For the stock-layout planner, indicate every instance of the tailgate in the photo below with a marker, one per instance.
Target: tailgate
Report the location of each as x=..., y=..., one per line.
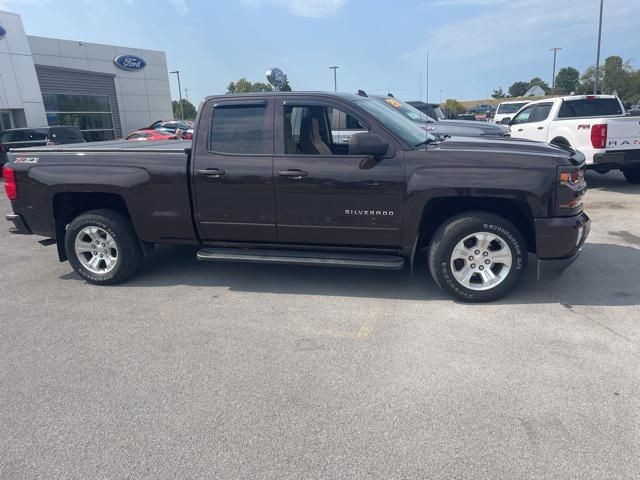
x=623, y=133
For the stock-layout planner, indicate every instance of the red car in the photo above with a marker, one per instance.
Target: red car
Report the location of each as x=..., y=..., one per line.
x=150, y=135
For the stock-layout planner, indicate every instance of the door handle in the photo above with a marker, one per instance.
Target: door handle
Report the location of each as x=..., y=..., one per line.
x=540, y=128
x=520, y=129
x=293, y=173
x=211, y=172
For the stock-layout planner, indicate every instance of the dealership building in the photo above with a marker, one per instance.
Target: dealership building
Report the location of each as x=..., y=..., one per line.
x=105, y=90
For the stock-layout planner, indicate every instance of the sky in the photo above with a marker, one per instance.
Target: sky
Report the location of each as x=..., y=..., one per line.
x=380, y=46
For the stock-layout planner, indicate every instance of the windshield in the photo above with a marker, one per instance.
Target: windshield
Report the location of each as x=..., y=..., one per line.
x=510, y=107
x=412, y=113
x=400, y=125
x=439, y=113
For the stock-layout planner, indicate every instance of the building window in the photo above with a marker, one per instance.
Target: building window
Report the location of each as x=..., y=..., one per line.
x=90, y=113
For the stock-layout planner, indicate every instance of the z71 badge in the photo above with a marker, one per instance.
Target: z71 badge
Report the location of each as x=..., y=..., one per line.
x=26, y=160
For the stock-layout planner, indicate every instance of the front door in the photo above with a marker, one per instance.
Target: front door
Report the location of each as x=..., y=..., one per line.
x=324, y=195
x=531, y=123
x=233, y=172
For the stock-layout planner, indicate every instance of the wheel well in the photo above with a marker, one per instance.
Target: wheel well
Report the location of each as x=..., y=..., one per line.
x=560, y=141
x=68, y=205
x=439, y=210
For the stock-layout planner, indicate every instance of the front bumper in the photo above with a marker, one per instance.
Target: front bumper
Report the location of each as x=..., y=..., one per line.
x=617, y=159
x=559, y=241
x=19, y=225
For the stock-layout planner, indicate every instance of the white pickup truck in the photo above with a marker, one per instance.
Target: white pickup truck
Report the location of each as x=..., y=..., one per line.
x=596, y=125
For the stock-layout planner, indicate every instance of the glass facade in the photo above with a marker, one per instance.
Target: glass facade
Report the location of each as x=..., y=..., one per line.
x=90, y=113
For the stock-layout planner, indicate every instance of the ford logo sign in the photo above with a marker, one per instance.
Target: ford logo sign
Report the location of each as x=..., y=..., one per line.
x=129, y=62
x=3, y=32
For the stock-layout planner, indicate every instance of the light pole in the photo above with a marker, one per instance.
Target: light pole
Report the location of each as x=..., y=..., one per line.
x=427, y=77
x=335, y=77
x=177, y=72
x=595, y=83
x=553, y=78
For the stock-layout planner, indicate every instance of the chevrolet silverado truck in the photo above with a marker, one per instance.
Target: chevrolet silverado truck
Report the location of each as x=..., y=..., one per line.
x=264, y=181
x=596, y=125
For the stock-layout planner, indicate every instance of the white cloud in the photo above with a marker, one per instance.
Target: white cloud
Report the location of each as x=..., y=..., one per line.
x=517, y=31
x=302, y=8
x=181, y=6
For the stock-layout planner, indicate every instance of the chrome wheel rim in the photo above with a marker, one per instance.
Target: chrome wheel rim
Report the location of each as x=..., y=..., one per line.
x=96, y=250
x=481, y=261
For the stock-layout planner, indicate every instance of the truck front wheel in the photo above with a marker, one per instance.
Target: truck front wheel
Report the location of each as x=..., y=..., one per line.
x=632, y=174
x=477, y=257
x=102, y=247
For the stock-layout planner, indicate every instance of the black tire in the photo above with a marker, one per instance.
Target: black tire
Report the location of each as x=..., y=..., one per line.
x=632, y=175
x=457, y=229
x=129, y=252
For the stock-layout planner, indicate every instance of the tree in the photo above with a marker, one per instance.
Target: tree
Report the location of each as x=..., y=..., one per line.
x=498, y=93
x=567, y=79
x=588, y=78
x=453, y=107
x=245, y=86
x=518, y=89
x=188, y=108
x=538, y=82
x=286, y=87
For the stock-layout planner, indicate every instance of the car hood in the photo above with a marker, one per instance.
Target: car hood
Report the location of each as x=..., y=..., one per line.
x=515, y=146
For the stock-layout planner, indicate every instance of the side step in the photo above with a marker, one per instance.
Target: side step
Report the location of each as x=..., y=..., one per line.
x=295, y=257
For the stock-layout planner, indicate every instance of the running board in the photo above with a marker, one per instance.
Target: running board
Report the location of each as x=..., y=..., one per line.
x=296, y=257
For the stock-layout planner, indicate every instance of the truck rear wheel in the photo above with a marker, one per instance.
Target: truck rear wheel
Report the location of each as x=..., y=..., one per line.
x=477, y=257
x=102, y=247
x=632, y=174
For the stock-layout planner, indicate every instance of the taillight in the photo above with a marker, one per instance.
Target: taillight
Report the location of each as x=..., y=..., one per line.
x=599, y=135
x=571, y=190
x=10, y=185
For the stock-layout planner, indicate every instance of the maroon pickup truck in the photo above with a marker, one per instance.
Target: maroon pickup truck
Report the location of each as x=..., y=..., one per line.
x=264, y=180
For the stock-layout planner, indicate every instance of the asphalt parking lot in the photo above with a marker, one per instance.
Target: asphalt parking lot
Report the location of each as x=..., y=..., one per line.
x=197, y=370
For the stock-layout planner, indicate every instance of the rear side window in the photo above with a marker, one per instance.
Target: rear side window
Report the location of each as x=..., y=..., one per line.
x=595, y=107
x=239, y=129
x=541, y=112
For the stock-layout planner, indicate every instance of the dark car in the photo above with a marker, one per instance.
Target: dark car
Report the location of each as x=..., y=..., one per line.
x=35, y=137
x=265, y=181
x=443, y=127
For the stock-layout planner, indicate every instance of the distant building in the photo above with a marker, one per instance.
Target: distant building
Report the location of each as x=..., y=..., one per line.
x=535, y=91
x=104, y=90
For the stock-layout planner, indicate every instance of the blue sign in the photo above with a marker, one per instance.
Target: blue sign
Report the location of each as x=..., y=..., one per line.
x=129, y=62
x=3, y=32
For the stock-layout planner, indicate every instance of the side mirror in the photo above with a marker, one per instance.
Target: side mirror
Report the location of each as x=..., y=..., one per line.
x=367, y=144
x=506, y=121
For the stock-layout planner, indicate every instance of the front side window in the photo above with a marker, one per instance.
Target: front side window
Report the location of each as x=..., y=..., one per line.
x=239, y=130
x=523, y=116
x=541, y=113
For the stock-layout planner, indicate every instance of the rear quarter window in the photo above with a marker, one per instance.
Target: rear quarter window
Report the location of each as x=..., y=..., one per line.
x=596, y=107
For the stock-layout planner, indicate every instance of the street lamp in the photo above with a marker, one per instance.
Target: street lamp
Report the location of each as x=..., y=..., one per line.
x=553, y=78
x=335, y=78
x=177, y=72
x=595, y=83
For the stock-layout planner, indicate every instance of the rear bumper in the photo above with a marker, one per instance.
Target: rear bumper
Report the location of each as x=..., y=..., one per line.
x=19, y=225
x=618, y=159
x=559, y=241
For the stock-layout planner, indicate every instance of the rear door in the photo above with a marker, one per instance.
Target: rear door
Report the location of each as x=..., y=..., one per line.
x=232, y=171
